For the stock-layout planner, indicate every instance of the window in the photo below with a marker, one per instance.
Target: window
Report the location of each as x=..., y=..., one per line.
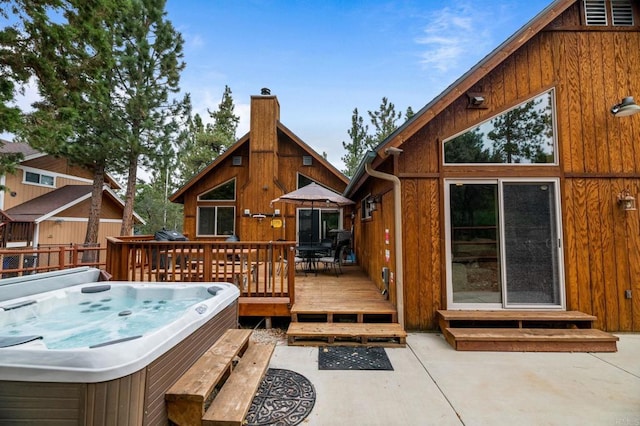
x=224, y=192
x=303, y=180
x=522, y=135
x=601, y=12
x=367, y=206
x=216, y=220
x=39, y=179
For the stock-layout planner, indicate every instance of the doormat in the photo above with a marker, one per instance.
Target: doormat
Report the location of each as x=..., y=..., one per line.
x=283, y=398
x=353, y=358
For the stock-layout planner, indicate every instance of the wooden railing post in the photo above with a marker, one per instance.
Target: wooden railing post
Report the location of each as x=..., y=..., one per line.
x=291, y=274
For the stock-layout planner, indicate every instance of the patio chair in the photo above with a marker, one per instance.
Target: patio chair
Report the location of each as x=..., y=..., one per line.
x=334, y=262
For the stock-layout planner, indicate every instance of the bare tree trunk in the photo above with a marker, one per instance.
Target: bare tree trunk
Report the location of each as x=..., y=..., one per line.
x=129, y=200
x=93, y=223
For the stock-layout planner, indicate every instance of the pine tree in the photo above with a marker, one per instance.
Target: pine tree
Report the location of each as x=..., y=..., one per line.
x=71, y=59
x=383, y=121
x=358, y=145
x=148, y=54
x=225, y=122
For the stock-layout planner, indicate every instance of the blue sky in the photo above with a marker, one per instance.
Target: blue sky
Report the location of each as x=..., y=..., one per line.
x=324, y=58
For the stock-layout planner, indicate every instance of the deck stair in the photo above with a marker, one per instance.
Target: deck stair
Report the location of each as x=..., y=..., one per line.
x=220, y=385
x=343, y=310
x=526, y=331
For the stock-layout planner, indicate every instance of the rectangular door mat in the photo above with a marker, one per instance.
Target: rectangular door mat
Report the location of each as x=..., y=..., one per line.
x=353, y=358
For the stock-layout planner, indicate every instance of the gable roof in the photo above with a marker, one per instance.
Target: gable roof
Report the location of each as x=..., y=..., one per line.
x=458, y=88
x=45, y=206
x=29, y=153
x=177, y=196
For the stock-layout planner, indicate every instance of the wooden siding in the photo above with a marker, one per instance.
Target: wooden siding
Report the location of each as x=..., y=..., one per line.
x=271, y=161
x=73, y=232
x=598, y=156
x=25, y=192
x=58, y=166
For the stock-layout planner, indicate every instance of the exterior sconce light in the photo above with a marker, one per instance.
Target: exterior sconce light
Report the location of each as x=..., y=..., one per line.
x=626, y=107
x=276, y=212
x=626, y=201
x=476, y=100
x=247, y=212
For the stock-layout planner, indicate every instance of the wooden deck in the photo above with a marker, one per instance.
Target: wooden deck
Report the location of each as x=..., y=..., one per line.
x=343, y=310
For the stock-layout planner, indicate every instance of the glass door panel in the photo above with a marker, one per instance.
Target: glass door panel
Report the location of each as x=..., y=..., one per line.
x=531, y=242
x=475, y=259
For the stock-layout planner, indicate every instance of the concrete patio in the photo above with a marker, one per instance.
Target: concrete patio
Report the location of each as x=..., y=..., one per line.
x=432, y=384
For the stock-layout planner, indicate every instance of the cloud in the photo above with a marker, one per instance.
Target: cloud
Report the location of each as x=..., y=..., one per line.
x=455, y=37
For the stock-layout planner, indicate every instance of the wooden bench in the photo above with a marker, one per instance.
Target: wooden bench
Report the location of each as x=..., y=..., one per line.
x=186, y=398
x=232, y=403
x=372, y=334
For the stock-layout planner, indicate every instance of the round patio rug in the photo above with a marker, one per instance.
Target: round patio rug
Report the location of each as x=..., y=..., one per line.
x=284, y=398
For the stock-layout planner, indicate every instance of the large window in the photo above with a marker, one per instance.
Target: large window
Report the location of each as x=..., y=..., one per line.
x=216, y=220
x=216, y=214
x=522, y=135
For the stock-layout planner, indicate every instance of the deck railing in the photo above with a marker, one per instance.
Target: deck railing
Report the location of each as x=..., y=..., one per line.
x=26, y=261
x=258, y=268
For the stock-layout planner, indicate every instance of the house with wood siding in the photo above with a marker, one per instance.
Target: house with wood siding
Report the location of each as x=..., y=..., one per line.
x=47, y=202
x=515, y=189
x=232, y=196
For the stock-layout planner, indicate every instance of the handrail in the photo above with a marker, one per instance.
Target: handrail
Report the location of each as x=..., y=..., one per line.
x=26, y=261
x=256, y=267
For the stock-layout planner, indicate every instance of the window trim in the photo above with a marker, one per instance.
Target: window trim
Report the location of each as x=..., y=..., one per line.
x=40, y=175
x=365, y=208
x=554, y=120
x=215, y=208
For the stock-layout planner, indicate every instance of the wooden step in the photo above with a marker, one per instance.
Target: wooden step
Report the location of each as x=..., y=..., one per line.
x=514, y=318
x=232, y=403
x=187, y=397
x=371, y=334
x=530, y=339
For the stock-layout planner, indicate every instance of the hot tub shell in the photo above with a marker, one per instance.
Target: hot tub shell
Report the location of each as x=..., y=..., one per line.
x=135, y=398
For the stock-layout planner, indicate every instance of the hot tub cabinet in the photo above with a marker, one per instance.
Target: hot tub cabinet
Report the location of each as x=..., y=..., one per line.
x=135, y=398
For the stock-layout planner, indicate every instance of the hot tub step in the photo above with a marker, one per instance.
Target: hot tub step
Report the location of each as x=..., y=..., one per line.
x=232, y=403
x=187, y=397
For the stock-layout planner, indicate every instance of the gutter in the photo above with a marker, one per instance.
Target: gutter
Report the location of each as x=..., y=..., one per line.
x=397, y=207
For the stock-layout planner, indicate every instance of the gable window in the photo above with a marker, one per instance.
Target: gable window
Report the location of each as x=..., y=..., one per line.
x=304, y=180
x=39, y=179
x=608, y=12
x=216, y=220
x=524, y=134
x=224, y=192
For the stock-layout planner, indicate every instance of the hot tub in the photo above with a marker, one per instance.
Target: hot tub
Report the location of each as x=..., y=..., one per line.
x=103, y=352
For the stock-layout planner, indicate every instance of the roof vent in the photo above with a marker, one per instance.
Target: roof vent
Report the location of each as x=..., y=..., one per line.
x=307, y=160
x=265, y=91
x=236, y=160
x=622, y=13
x=595, y=12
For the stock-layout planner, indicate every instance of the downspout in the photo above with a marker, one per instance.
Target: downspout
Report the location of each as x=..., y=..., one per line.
x=397, y=214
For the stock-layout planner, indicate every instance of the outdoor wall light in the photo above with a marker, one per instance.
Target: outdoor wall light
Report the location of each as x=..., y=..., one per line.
x=476, y=100
x=626, y=201
x=276, y=212
x=626, y=107
x=247, y=212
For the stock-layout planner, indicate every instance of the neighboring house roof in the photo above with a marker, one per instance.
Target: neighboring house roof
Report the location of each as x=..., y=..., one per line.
x=177, y=196
x=458, y=88
x=30, y=153
x=19, y=148
x=51, y=203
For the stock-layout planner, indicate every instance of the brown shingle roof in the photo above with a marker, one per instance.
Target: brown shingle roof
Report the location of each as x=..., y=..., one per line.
x=36, y=208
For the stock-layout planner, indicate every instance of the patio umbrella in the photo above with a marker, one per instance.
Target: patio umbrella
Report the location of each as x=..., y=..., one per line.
x=313, y=195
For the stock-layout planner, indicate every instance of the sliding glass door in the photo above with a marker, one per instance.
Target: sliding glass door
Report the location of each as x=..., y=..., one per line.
x=503, y=244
